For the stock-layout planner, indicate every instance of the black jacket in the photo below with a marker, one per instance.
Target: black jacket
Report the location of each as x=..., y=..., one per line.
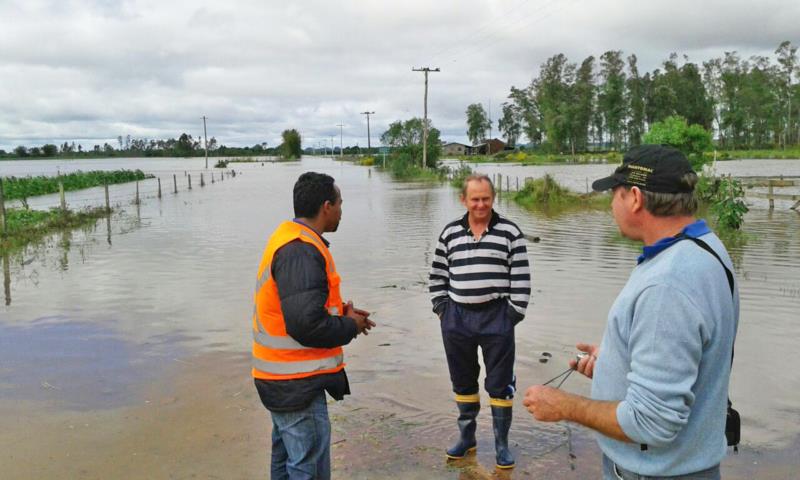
x=298, y=269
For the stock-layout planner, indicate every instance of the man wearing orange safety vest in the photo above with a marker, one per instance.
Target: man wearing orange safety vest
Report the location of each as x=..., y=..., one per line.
x=299, y=326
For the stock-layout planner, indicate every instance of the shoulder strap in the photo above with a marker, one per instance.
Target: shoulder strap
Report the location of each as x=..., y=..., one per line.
x=710, y=250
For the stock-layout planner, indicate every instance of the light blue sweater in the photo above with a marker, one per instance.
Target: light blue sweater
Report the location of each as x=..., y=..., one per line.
x=666, y=355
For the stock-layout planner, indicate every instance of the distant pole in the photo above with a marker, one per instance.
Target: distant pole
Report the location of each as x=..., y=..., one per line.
x=331, y=147
x=2, y=208
x=175, y=182
x=341, y=142
x=159, y=187
x=108, y=203
x=137, y=193
x=190, y=180
x=63, y=199
x=205, y=135
x=425, y=118
x=369, y=145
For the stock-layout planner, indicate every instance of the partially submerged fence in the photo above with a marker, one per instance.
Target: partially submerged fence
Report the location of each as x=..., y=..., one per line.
x=132, y=198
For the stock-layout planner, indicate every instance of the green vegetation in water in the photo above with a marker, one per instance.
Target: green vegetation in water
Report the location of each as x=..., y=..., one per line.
x=546, y=193
x=458, y=175
x=24, y=226
x=367, y=161
x=292, y=147
x=24, y=187
x=724, y=198
x=222, y=164
x=405, y=161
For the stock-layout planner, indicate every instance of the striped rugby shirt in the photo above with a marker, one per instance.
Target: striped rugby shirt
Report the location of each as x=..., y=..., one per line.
x=478, y=271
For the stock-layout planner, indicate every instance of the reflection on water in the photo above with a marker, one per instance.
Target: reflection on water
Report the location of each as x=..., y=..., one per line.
x=179, y=273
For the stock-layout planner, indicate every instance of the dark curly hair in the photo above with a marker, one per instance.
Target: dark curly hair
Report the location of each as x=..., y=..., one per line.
x=311, y=191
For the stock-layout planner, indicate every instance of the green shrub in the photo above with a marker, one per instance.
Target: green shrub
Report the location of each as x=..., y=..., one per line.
x=24, y=187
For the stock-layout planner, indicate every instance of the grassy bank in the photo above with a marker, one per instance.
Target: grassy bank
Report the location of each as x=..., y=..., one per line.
x=531, y=158
x=24, y=226
x=547, y=195
x=770, y=154
x=24, y=187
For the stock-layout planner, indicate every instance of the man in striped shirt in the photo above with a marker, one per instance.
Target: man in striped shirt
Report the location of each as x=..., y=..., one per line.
x=480, y=286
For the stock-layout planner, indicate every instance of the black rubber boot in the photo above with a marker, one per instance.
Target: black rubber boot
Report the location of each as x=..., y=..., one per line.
x=501, y=423
x=467, y=424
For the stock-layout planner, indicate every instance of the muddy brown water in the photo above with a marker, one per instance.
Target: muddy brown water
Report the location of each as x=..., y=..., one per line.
x=124, y=347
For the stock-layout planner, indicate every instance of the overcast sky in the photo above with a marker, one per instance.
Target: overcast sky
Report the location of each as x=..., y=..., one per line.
x=88, y=71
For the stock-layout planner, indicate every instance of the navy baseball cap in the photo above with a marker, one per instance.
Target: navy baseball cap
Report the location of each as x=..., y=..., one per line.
x=655, y=168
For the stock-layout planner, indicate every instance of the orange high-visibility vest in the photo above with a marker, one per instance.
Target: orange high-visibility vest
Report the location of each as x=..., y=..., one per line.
x=276, y=355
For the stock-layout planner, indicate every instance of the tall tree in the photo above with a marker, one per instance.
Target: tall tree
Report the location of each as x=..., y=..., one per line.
x=292, y=144
x=612, y=95
x=581, y=105
x=551, y=91
x=527, y=112
x=509, y=124
x=477, y=123
x=635, y=93
x=406, y=139
x=787, y=58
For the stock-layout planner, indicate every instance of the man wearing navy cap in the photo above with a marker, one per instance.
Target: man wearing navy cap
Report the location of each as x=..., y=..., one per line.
x=661, y=373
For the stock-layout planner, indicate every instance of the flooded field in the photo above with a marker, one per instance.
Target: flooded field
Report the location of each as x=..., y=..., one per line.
x=124, y=349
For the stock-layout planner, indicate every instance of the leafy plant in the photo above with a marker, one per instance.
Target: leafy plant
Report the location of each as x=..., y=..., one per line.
x=24, y=187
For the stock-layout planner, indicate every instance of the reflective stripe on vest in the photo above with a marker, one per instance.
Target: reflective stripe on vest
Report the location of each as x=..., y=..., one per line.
x=276, y=355
x=307, y=366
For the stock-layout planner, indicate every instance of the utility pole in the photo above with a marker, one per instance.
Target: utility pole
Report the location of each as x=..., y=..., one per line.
x=341, y=144
x=369, y=146
x=425, y=119
x=332, y=150
x=205, y=136
x=490, y=126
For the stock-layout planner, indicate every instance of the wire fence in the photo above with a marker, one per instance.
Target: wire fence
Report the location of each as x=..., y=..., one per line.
x=113, y=196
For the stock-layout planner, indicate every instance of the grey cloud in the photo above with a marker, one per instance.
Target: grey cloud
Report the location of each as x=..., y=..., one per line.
x=95, y=70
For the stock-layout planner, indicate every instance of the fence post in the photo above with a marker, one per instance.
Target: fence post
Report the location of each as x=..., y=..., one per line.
x=518, y=184
x=108, y=204
x=771, y=198
x=212, y=177
x=175, y=182
x=190, y=180
x=159, y=187
x=61, y=194
x=500, y=182
x=508, y=181
x=202, y=182
x=2, y=209
x=136, y=201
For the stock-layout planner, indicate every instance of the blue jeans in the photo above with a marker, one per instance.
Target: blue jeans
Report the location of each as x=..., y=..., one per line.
x=301, y=443
x=615, y=472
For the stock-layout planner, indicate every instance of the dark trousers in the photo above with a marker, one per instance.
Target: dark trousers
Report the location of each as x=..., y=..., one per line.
x=490, y=328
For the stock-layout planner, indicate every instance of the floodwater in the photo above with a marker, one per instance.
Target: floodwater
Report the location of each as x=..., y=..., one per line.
x=124, y=348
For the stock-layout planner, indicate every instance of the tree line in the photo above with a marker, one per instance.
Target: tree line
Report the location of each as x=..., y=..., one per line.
x=607, y=103
x=183, y=146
